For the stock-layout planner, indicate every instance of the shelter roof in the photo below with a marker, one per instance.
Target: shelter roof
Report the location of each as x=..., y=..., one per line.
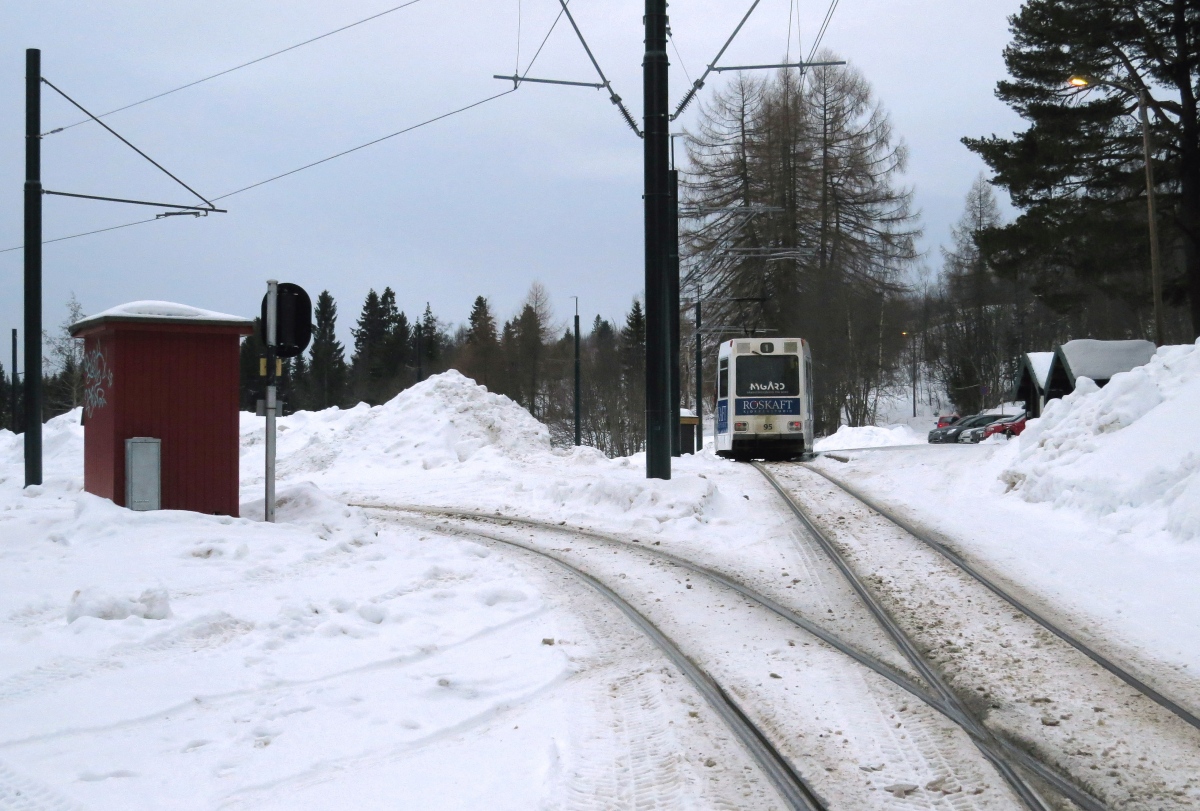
x=162, y=312
x=1100, y=360
x=1039, y=365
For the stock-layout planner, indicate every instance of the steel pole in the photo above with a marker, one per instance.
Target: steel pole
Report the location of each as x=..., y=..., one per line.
x=272, y=320
x=12, y=395
x=578, y=397
x=673, y=366
x=699, y=383
x=657, y=225
x=1155, y=266
x=33, y=267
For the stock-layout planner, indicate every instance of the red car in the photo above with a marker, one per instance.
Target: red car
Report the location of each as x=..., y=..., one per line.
x=1013, y=428
x=947, y=419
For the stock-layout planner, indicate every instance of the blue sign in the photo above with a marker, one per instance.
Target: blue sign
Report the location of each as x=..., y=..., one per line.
x=722, y=416
x=748, y=406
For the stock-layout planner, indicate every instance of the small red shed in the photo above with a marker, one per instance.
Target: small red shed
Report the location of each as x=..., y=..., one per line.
x=165, y=375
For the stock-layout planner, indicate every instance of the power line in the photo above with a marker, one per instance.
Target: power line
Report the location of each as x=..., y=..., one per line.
x=675, y=48
x=364, y=146
x=239, y=67
x=293, y=171
x=824, y=27
x=119, y=137
x=85, y=234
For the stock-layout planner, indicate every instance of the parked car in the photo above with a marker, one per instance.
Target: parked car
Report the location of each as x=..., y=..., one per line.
x=1012, y=427
x=945, y=420
x=950, y=433
x=982, y=432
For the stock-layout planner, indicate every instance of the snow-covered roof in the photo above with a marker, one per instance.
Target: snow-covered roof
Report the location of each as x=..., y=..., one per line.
x=160, y=312
x=686, y=412
x=1100, y=360
x=1039, y=362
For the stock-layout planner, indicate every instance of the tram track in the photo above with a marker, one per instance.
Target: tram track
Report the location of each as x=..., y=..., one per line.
x=788, y=782
x=949, y=554
x=1004, y=755
x=882, y=580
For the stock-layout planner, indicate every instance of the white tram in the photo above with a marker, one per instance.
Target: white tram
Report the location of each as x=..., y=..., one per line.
x=764, y=398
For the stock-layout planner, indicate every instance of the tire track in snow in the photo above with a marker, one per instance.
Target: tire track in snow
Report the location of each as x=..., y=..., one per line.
x=205, y=633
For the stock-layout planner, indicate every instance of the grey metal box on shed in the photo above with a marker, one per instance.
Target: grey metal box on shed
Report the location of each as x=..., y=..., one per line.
x=143, y=473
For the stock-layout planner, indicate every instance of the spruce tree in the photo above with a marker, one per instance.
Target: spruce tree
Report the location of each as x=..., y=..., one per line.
x=327, y=373
x=633, y=376
x=367, y=363
x=481, y=345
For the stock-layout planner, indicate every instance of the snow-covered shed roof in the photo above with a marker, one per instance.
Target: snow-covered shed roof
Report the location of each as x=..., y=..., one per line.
x=161, y=312
x=1100, y=360
x=1033, y=376
x=1039, y=365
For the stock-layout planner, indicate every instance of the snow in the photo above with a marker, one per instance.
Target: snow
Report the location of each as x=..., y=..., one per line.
x=1100, y=360
x=1040, y=363
x=1095, y=509
x=1128, y=454
x=158, y=311
x=172, y=660
x=868, y=436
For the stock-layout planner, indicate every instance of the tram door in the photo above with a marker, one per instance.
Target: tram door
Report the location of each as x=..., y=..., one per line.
x=722, y=421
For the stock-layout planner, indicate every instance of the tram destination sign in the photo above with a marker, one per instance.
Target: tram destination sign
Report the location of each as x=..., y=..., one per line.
x=749, y=406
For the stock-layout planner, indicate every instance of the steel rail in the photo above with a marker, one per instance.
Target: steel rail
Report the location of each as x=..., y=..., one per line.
x=951, y=711
x=952, y=556
x=790, y=784
x=865, y=659
x=1000, y=753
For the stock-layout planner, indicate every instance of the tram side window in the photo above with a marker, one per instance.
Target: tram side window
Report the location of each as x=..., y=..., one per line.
x=723, y=380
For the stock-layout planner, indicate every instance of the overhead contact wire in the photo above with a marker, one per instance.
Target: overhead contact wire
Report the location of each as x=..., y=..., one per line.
x=239, y=67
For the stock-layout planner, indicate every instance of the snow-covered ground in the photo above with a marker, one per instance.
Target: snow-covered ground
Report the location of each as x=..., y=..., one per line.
x=172, y=660
x=1095, y=509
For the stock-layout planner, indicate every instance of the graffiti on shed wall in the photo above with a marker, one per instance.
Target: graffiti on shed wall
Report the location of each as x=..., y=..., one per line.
x=98, y=378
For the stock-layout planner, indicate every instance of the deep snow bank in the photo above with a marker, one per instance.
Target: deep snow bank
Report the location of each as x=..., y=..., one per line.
x=1129, y=452
x=62, y=449
x=868, y=436
x=445, y=420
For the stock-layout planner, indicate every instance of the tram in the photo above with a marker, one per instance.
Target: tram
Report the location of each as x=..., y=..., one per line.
x=764, y=399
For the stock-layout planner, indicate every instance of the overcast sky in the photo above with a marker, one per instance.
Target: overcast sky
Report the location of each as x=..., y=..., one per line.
x=542, y=184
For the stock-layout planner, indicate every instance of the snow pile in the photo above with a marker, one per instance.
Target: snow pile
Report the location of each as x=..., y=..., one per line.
x=62, y=453
x=868, y=436
x=445, y=420
x=1128, y=453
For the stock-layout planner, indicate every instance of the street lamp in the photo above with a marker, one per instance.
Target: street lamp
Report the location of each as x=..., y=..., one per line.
x=1155, y=269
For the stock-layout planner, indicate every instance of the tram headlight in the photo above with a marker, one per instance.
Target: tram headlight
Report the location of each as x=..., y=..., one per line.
x=741, y=426
x=795, y=425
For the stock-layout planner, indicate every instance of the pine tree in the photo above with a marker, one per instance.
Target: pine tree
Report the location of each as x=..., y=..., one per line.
x=1077, y=172
x=327, y=373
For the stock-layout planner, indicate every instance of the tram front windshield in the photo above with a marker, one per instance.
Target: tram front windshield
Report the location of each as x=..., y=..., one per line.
x=768, y=375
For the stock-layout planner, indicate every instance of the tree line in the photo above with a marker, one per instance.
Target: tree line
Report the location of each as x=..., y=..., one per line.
x=528, y=357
